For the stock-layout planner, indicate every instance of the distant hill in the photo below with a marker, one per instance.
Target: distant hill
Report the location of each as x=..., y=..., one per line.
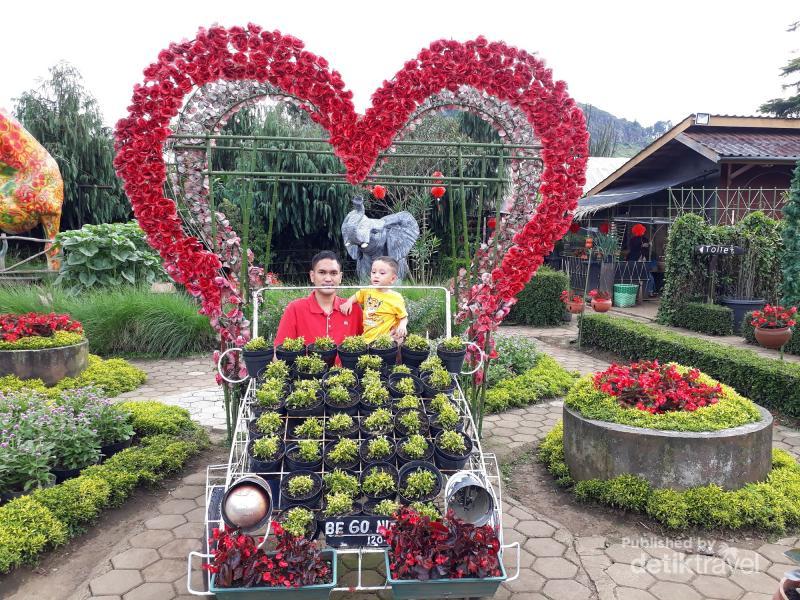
x=613, y=136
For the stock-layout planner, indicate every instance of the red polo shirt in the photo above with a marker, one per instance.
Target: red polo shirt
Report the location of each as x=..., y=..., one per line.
x=305, y=317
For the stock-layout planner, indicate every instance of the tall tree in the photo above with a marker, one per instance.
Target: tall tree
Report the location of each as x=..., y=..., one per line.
x=787, y=107
x=790, y=290
x=64, y=117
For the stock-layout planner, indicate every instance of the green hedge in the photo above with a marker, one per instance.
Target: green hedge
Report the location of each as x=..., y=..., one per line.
x=712, y=319
x=771, y=383
x=47, y=518
x=539, y=304
x=547, y=379
x=749, y=334
x=773, y=505
x=59, y=339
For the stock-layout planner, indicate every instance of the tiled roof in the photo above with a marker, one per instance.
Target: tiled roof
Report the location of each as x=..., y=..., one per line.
x=772, y=144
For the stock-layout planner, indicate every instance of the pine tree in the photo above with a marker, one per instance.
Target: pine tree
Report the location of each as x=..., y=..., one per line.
x=787, y=107
x=790, y=261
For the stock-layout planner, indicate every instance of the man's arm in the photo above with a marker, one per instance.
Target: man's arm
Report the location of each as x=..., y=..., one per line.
x=287, y=328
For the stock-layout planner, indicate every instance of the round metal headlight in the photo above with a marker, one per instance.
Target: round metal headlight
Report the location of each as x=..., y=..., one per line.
x=470, y=498
x=247, y=504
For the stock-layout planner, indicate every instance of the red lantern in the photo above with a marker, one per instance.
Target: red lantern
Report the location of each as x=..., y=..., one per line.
x=638, y=230
x=379, y=192
x=437, y=192
x=604, y=228
x=491, y=222
x=589, y=242
x=574, y=228
x=437, y=177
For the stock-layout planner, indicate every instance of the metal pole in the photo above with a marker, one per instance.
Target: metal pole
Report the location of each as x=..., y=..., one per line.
x=585, y=290
x=211, y=200
x=463, y=196
x=271, y=220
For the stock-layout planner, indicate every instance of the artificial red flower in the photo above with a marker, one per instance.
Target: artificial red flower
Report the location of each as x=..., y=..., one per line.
x=774, y=317
x=437, y=191
x=491, y=222
x=379, y=192
x=574, y=228
x=604, y=228
x=638, y=230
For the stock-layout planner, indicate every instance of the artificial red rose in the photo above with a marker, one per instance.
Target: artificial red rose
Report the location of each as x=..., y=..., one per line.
x=604, y=228
x=574, y=228
x=638, y=230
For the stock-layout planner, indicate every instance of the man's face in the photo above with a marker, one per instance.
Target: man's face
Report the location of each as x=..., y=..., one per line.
x=325, y=274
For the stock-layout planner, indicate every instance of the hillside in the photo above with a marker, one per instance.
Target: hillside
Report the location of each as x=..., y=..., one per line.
x=614, y=136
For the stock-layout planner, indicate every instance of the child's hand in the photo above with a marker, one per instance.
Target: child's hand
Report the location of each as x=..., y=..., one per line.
x=346, y=307
x=399, y=334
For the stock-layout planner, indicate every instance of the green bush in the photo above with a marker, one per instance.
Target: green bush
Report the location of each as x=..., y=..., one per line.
x=771, y=383
x=712, y=319
x=107, y=255
x=154, y=418
x=515, y=355
x=539, y=304
x=57, y=340
x=770, y=506
x=749, y=334
x=732, y=410
x=76, y=501
x=27, y=528
x=126, y=320
x=790, y=265
x=547, y=379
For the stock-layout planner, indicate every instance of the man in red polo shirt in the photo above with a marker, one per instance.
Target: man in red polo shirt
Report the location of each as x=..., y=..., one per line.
x=318, y=314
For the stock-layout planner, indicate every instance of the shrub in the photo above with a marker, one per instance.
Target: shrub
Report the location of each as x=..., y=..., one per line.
x=382, y=342
x=309, y=428
x=153, y=418
x=297, y=521
x=340, y=422
x=276, y=370
x=426, y=315
x=452, y=344
x=26, y=529
x=379, y=448
x=324, y=344
x=386, y=508
x=293, y=344
x=427, y=509
x=401, y=370
x=515, y=355
x=337, y=481
x=378, y=420
x=266, y=448
x=300, y=485
x=310, y=365
x=378, y=482
x=338, y=504
x=771, y=383
x=790, y=287
x=344, y=451
x=547, y=379
x=711, y=319
x=539, y=304
x=57, y=340
x=415, y=447
x=419, y=483
x=308, y=450
x=115, y=376
x=269, y=422
x=416, y=343
x=452, y=442
x=369, y=361
x=76, y=501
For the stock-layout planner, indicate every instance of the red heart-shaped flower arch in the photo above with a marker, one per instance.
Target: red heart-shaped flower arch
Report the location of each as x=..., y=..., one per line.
x=249, y=53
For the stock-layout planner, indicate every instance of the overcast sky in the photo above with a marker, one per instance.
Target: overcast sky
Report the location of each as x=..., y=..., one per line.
x=639, y=60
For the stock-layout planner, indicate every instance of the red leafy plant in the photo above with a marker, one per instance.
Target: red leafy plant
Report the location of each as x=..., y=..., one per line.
x=566, y=299
x=422, y=549
x=239, y=562
x=774, y=317
x=600, y=295
x=656, y=388
x=13, y=327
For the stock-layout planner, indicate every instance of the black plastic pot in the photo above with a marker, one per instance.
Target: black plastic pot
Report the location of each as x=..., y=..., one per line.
x=452, y=462
x=110, y=450
x=292, y=462
x=265, y=466
x=740, y=308
x=329, y=356
x=10, y=495
x=313, y=528
x=349, y=359
x=413, y=358
x=430, y=392
x=367, y=434
x=402, y=459
x=331, y=465
x=255, y=433
x=316, y=410
x=309, y=501
x=288, y=356
x=418, y=386
x=349, y=433
x=366, y=461
x=300, y=375
x=435, y=429
x=256, y=360
x=424, y=426
x=350, y=409
x=64, y=474
x=453, y=361
x=382, y=466
x=388, y=356
x=408, y=468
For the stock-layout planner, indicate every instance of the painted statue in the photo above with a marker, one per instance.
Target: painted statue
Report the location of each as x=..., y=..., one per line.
x=366, y=239
x=31, y=188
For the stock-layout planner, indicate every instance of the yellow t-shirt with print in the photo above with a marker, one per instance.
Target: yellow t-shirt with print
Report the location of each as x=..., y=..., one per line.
x=382, y=311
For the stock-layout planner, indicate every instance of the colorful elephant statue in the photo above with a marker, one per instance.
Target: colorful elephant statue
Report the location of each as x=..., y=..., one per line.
x=31, y=188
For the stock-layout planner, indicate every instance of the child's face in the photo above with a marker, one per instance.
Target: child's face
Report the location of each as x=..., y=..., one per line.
x=382, y=274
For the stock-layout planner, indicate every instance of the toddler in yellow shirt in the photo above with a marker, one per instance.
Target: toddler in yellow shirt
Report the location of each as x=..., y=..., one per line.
x=384, y=309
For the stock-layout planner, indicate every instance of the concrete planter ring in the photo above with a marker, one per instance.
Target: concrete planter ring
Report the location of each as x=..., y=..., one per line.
x=730, y=458
x=773, y=337
x=51, y=365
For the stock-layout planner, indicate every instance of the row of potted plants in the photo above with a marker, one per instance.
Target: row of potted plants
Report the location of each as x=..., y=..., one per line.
x=414, y=350
x=575, y=304
x=44, y=442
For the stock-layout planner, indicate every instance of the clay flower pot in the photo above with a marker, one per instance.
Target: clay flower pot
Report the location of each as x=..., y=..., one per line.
x=576, y=307
x=600, y=305
x=773, y=337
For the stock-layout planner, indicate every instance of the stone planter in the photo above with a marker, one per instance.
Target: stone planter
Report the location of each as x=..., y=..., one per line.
x=773, y=338
x=740, y=308
x=51, y=365
x=600, y=305
x=730, y=458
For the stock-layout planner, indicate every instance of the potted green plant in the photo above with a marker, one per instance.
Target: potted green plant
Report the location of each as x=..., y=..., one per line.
x=277, y=369
x=369, y=362
x=114, y=427
x=410, y=421
x=341, y=454
x=266, y=454
x=773, y=326
x=309, y=367
x=379, y=481
x=404, y=385
x=439, y=403
x=419, y=482
x=447, y=419
x=429, y=364
x=427, y=509
x=300, y=522
x=325, y=348
x=414, y=350
x=303, y=455
x=374, y=396
x=301, y=488
x=342, y=425
x=385, y=347
x=271, y=396
x=340, y=377
x=310, y=428
x=350, y=349
x=601, y=300
x=25, y=467
x=268, y=423
x=289, y=349
x=452, y=351
x=438, y=381
x=377, y=449
x=305, y=400
x=384, y=508
x=451, y=450
x=380, y=422
x=75, y=445
x=338, y=505
x=339, y=398
x=256, y=354
x=338, y=481
x=400, y=370
x=413, y=448
x=408, y=402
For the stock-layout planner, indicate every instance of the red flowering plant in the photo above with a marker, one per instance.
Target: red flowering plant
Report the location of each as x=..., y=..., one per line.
x=568, y=298
x=238, y=561
x=13, y=327
x=600, y=295
x=774, y=317
x=656, y=388
x=422, y=549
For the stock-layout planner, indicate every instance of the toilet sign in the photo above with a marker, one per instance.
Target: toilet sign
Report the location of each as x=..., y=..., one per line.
x=720, y=250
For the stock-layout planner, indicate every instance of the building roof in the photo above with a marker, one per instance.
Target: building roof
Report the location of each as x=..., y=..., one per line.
x=765, y=144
